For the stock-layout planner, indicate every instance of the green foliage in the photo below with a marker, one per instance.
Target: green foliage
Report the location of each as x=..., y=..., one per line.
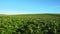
x=29, y=24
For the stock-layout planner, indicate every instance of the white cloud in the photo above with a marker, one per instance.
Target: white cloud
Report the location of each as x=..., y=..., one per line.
x=12, y=12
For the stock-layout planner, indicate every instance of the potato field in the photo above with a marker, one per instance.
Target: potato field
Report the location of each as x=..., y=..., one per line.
x=30, y=24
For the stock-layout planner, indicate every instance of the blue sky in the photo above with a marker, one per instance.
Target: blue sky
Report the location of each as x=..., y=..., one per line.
x=29, y=6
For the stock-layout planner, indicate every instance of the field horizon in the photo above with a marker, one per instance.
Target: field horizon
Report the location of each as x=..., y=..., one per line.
x=29, y=13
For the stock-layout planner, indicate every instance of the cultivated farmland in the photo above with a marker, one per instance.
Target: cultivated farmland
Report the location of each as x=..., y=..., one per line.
x=30, y=24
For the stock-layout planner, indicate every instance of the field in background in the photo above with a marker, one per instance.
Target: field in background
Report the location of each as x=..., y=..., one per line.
x=30, y=24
